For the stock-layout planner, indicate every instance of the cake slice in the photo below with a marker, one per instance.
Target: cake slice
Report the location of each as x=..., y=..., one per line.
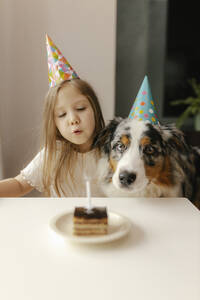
x=92, y=221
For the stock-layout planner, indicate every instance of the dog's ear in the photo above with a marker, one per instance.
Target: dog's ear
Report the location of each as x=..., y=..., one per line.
x=197, y=161
x=174, y=139
x=177, y=140
x=104, y=137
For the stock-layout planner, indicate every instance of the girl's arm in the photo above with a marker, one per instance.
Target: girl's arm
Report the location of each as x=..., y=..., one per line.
x=14, y=187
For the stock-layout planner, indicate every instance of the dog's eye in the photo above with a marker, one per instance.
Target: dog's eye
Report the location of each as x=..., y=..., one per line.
x=120, y=147
x=149, y=149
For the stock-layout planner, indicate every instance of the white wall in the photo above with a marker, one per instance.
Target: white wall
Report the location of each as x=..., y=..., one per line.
x=84, y=30
x=1, y=162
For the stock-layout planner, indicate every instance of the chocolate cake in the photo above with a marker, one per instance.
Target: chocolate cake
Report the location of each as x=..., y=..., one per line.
x=92, y=221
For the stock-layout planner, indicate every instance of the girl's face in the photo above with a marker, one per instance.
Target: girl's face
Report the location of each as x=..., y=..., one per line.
x=74, y=118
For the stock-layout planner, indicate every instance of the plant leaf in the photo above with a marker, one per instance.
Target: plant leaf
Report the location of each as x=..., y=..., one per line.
x=195, y=86
x=183, y=117
x=178, y=102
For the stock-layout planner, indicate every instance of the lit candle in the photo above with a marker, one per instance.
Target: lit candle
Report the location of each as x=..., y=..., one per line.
x=88, y=191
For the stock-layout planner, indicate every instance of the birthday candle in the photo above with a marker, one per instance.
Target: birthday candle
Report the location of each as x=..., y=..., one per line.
x=88, y=193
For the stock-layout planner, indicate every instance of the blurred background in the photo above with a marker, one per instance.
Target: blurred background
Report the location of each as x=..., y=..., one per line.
x=111, y=44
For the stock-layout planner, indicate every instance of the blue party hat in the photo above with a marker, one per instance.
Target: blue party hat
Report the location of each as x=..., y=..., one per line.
x=143, y=108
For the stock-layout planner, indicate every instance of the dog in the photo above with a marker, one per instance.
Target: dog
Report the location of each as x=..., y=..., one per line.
x=139, y=159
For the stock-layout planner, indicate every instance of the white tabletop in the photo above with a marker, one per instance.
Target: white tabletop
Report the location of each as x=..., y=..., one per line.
x=158, y=260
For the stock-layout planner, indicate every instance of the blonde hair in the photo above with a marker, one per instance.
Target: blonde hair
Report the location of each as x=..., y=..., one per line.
x=57, y=162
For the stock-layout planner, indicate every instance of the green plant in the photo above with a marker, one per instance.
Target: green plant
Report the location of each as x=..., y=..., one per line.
x=193, y=103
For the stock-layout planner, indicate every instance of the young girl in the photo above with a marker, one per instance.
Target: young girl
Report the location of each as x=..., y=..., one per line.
x=72, y=118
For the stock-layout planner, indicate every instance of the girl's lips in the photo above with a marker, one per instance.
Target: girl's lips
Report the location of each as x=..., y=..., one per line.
x=77, y=132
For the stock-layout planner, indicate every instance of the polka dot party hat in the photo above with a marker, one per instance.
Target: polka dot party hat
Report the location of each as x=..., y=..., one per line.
x=58, y=67
x=143, y=108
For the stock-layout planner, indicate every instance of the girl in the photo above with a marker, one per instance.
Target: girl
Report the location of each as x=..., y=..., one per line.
x=72, y=119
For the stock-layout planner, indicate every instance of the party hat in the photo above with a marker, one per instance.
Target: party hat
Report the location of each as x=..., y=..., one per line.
x=58, y=67
x=143, y=108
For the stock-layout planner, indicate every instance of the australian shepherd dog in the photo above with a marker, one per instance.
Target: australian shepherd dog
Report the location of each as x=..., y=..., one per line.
x=144, y=160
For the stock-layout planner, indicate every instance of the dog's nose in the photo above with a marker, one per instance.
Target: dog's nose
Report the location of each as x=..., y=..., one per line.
x=127, y=178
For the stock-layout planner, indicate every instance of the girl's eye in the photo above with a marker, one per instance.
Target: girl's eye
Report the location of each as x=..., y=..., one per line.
x=121, y=147
x=62, y=115
x=81, y=108
x=149, y=149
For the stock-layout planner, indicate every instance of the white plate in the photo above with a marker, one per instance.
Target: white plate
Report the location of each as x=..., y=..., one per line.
x=118, y=226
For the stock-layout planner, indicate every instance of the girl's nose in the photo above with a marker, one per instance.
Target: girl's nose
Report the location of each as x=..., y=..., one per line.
x=73, y=119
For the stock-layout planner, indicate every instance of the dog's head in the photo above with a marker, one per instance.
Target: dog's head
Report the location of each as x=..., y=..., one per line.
x=138, y=153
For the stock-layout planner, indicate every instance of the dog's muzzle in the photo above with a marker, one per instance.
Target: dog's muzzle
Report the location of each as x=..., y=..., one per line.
x=127, y=178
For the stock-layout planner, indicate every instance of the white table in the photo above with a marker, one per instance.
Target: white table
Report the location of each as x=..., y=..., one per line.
x=158, y=260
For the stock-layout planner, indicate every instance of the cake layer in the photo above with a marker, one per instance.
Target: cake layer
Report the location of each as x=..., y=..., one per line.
x=93, y=213
x=88, y=226
x=89, y=233
x=90, y=221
